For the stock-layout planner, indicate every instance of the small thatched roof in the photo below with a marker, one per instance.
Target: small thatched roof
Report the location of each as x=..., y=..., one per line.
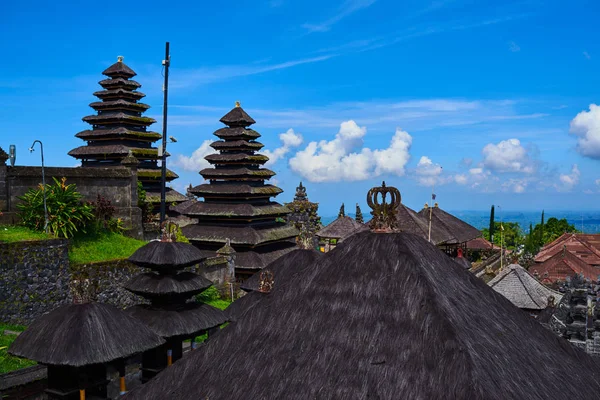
x=178, y=320
x=410, y=221
x=384, y=316
x=152, y=284
x=342, y=228
x=522, y=289
x=460, y=230
x=83, y=334
x=284, y=267
x=163, y=255
x=119, y=69
x=237, y=117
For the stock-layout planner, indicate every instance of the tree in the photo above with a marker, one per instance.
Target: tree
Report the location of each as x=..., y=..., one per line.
x=509, y=234
x=342, y=212
x=492, y=226
x=359, y=217
x=541, y=232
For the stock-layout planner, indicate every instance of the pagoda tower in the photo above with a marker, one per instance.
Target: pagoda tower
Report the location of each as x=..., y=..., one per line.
x=237, y=202
x=120, y=127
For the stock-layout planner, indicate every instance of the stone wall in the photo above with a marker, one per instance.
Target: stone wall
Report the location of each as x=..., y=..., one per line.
x=34, y=278
x=119, y=185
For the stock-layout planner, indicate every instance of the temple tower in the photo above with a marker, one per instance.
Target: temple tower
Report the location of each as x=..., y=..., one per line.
x=237, y=202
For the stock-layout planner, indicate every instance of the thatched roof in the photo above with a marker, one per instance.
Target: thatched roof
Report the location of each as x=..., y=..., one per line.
x=237, y=117
x=284, y=267
x=341, y=228
x=236, y=133
x=410, y=221
x=460, y=230
x=119, y=69
x=239, y=235
x=384, y=316
x=119, y=94
x=228, y=210
x=119, y=83
x=240, y=144
x=166, y=255
x=522, y=289
x=237, y=173
x=241, y=190
x=151, y=284
x=83, y=334
x=178, y=320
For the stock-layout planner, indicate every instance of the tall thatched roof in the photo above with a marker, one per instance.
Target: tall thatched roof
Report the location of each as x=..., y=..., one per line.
x=84, y=334
x=283, y=268
x=460, y=230
x=522, y=289
x=384, y=316
x=160, y=255
x=410, y=221
x=341, y=228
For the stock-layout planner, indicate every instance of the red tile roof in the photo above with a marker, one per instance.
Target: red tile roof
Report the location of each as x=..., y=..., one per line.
x=561, y=265
x=584, y=246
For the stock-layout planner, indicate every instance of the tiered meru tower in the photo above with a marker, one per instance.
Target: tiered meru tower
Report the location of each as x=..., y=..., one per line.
x=237, y=203
x=120, y=127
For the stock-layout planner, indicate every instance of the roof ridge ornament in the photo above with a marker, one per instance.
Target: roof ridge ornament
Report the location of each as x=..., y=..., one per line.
x=120, y=59
x=267, y=280
x=384, y=213
x=238, y=104
x=169, y=231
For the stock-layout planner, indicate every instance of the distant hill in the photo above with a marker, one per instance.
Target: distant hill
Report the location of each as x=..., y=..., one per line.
x=481, y=219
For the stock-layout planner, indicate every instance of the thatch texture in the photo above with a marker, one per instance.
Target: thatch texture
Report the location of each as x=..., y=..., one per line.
x=239, y=235
x=342, y=228
x=383, y=316
x=119, y=83
x=243, y=145
x=84, y=334
x=178, y=320
x=237, y=117
x=410, y=221
x=283, y=268
x=224, y=210
x=119, y=94
x=241, y=306
x=237, y=133
x=159, y=255
x=522, y=289
x=151, y=284
x=119, y=69
x=241, y=173
x=460, y=230
x=239, y=189
x=236, y=158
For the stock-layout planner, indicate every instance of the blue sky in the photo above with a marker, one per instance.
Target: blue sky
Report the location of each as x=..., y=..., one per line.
x=496, y=93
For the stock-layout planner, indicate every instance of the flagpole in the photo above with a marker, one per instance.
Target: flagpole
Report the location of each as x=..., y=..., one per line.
x=431, y=209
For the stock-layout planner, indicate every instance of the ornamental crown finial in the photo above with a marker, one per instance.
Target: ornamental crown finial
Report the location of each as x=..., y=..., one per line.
x=384, y=212
x=120, y=58
x=237, y=104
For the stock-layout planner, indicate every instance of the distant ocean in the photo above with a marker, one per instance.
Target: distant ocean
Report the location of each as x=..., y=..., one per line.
x=588, y=222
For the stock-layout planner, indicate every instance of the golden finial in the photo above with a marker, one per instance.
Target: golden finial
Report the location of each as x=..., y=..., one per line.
x=120, y=58
x=237, y=104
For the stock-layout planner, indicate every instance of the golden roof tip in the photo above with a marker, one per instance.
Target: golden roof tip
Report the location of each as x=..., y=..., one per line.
x=120, y=58
x=237, y=104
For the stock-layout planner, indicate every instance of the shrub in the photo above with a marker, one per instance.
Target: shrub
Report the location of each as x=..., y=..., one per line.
x=67, y=214
x=144, y=204
x=104, y=213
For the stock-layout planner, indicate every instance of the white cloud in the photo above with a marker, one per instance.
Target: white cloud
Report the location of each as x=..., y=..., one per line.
x=512, y=46
x=587, y=55
x=345, y=159
x=569, y=181
x=516, y=185
x=507, y=156
x=586, y=126
x=196, y=161
x=427, y=172
x=461, y=179
x=289, y=140
x=598, y=182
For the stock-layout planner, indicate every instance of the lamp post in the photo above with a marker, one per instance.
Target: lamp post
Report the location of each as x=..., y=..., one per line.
x=163, y=181
x=43, y=183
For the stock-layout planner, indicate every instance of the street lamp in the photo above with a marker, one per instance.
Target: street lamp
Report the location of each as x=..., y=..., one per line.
x=43, y=183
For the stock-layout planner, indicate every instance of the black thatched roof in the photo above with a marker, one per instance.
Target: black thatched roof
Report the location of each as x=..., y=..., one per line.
x=179, y=320
x=119, y=83
x=118, y=133
x=151, y=284
x=119, y=69
x=383, y=316
x=462, y=231
x=236, y=133
x=284, y=267
x=241, y=306
x=237, y=117
x=227, y=189
x=237, y=173
x=119, y=94
x=239, y=235
x=159, y=255
x=224, y=210
x=240, y=145
x=410, y=221
x=83, y=334
x=341, y=228
x=236, y=158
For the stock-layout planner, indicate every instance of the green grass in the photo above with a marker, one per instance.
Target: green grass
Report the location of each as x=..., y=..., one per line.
x=7, y=362
x=102, y=246
x=11, y=233
x=219, y=303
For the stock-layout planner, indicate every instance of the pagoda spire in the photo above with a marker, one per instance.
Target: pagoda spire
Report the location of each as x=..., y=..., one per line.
x=237, y=201
x=119, y=128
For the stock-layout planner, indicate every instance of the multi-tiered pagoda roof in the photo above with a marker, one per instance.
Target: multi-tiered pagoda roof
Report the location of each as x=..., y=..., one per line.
x=237, y=202
x=119, y=127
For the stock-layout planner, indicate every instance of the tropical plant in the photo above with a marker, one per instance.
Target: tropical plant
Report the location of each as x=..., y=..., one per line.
x=104, y=213
x=508, y=234
x=492, y=226
x=67, y=214
x=144, y=204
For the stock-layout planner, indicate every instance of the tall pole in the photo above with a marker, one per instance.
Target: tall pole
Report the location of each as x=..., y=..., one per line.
x=163, y=184
x=43, y=183
x=501, y=240
x=431, y=211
